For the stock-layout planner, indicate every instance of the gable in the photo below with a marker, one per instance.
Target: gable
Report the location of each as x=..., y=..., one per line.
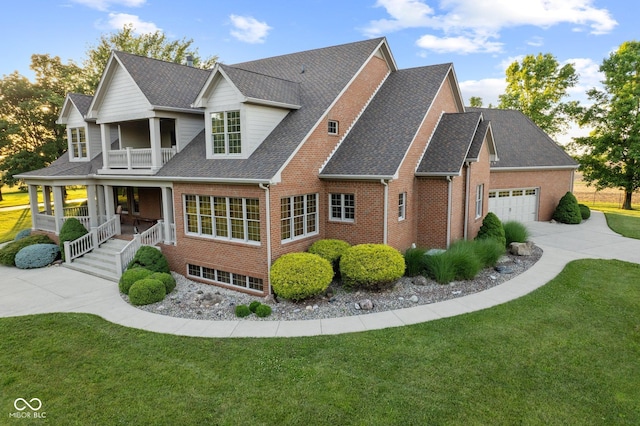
x=119, y=98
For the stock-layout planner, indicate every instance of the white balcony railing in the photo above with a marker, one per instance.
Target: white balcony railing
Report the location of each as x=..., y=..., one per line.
x=136, y=158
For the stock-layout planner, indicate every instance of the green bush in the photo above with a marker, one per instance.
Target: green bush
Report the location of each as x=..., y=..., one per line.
x=585, y=211
x=22, y=234
x=414, y=261
x=71, y=230
x=166, y=278
x=492, y=228
x=489, y=251
x=439, y=268
x=263, y=311
x=149, y=258
x=371, y=266
x=331, y=250
x=298, y=276
x=242, y=311
x=36, y=256
x=515, y=232
x=146, y=291
x=130, y=277
x=465, y=261
x=568, y=210
x=9, y=251
x=253, y=306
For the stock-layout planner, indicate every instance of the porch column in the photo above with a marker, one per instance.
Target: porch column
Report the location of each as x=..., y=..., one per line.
x=33, y=204
x=167, y=214
x=156, y=143
x=105, y=135
x=109, y=204
x=46, y=197
x=100, y=201
x=91, y=206
x=58, y=206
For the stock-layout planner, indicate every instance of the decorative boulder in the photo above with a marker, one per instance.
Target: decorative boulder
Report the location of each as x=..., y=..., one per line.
x=36, y=256
x=521, y=249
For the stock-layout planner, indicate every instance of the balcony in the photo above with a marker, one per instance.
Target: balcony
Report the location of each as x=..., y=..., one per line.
x=137, y=158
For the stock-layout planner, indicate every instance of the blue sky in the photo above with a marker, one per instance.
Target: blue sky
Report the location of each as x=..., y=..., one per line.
x=481, y=38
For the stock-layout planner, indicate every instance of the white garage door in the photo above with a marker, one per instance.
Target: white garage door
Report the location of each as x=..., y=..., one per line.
x=514, y=204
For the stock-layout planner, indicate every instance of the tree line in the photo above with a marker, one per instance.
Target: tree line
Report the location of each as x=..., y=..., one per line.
x=536, y=85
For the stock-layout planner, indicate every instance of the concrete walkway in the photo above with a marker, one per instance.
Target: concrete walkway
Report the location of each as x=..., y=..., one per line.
x=57, y=289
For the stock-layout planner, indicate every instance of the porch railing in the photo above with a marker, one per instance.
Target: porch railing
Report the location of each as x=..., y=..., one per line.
x=150, y=237
x=136, y=158
x=91, y=240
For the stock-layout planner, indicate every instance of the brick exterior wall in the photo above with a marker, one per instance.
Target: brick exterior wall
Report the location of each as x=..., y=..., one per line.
x=479, y=175
x=431, y=207
x=552, y=184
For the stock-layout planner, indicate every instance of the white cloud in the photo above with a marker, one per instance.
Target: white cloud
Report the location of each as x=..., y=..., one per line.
x=488, y=89
x=459, y=44
x=249, y=29
x=116, y=21
x=482, y=21
x=104, y=5
x=536, y=41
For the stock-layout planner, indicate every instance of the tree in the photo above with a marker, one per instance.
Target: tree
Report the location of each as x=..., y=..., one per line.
x=611, y=157
x=536, y=86
x=475, y=102
x=153, y=45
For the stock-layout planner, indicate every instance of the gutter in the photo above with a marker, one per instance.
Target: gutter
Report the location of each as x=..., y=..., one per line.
x=356, y=177
x=532, y=168
x=268, y=207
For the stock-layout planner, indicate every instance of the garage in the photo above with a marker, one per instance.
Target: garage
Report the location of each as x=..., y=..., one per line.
x=514, y=204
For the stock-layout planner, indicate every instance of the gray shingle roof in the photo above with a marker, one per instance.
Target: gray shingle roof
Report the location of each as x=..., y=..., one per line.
x=326, y=72
x=450, y=144
x=263, y=87
x=522, y=144
x=62, y=167
x=82, y=102
x=476, y=145
x=164, y=84
x=379, y=140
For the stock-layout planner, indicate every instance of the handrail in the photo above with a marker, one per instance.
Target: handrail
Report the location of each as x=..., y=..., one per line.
x=92, y=239
x=153, y=235
x=150, y=237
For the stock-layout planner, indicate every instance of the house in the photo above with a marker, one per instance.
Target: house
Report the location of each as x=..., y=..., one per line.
x=233, y=167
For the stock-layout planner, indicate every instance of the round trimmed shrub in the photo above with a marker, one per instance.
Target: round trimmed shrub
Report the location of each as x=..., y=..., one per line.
x=242, y=311
x=585, y=211
x=298, y=276
x=8, y=252
x=492, y=228
x=263, y=311
x=36, y=256
x=149, y=258
x=130, y=277
x=253, y=306
x=568, y=211
x=331, y=250
x=166, y=278
x=71, y=230
x=146, y=291
x=371, y=266
x=22, y=234
x=515, y=232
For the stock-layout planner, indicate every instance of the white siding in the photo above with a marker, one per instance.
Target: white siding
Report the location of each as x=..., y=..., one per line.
x=187, y=128
x=123, y=99
x=75, y=119
x=224, y=97
x=259, y=121
x=94, y=141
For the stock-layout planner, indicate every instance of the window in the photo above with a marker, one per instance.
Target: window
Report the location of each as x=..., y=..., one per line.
x=333, y=127
x=236, y=219
x=342, y=207
x=78, y=139
x=479, y=198
x=298, y=216
x=225, y=132
x=224, y=277
x=402, y=206
x=530, y=192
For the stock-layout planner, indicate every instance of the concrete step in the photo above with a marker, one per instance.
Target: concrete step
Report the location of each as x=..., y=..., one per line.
x=100, y=262
x=92, y=270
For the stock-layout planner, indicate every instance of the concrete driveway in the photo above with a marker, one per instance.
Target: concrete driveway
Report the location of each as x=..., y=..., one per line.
x=58, y=289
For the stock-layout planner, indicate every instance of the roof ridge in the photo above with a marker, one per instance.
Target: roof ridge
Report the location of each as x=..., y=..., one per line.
x=135, y=55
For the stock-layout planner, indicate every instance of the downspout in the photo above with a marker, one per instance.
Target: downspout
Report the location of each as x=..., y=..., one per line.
x=268, y=208
x=449, y=197
x=466, y=207
x=386, y=210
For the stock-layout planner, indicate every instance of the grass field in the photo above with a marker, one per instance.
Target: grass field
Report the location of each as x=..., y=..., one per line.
x=564, y=354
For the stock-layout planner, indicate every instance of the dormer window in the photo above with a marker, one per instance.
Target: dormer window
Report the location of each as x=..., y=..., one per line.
x=225, y=132
x=78, y=138
x=333, y=127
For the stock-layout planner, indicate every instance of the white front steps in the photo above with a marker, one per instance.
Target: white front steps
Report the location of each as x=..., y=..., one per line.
x=100, y=262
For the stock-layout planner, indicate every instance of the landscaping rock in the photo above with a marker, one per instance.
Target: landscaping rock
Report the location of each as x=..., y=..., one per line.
x=521, y=249
x=503, y=269
x=420, y=280
x=414, y=299
x=365, y=305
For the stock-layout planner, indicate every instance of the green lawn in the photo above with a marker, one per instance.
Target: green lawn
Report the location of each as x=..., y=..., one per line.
x=565, y=354
x=624, y=222
x=14, y=197
x=13, y=222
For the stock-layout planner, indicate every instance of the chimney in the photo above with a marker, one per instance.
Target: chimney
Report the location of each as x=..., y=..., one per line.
x=189, y=60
